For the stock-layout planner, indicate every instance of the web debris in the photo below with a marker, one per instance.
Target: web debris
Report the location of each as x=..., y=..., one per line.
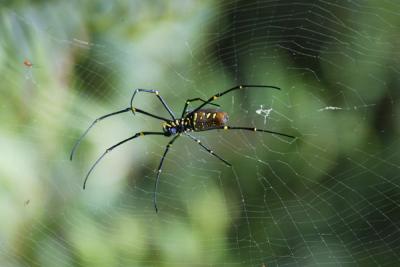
x=347, y=108
x=82, y=43
x=329, y=108
x=264, y=112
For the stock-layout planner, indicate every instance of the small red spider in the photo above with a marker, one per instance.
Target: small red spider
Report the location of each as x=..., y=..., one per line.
x=27, y=63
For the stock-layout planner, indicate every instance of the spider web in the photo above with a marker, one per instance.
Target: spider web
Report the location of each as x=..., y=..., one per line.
x=330, y=197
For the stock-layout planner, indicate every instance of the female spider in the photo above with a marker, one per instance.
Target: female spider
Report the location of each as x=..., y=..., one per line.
x=197, y=120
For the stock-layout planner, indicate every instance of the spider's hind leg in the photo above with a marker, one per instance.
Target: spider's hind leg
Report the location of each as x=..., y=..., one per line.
x=159, y=171
x=237, y=87
x=209, y=150
x=195, y=99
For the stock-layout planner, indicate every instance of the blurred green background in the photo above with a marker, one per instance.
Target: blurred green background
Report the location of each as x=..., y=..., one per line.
x=328, y=198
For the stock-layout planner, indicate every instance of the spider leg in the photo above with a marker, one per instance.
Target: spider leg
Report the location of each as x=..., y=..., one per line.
x=247, y=129
x=106, y=116
x=159, y=171
x=214, y=97
x=91, y=125
x=158, y=96
x=149, y=114
x=114, y=146
x=208, y=150
x=192, y=100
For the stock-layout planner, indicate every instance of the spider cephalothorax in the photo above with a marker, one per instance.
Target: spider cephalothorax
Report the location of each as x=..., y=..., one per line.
x=196, y=120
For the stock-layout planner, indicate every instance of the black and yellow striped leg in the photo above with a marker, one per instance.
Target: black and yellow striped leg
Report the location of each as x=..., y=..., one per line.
x=77, y=143
x=216, y=96
x=159, y=171
x=192, y=100
x=208, y=150
x=149, y=114
x=114, y=146
x=158, y=96
x=249, y=129
x=91, y=125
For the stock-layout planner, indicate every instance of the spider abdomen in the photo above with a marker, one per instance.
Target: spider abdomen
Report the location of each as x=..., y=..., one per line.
x=204, y=119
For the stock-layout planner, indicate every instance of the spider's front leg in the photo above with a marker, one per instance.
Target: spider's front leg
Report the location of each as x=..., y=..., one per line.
x=90, y=127
x=77, y=143
x=114, y=146
x=158, y=96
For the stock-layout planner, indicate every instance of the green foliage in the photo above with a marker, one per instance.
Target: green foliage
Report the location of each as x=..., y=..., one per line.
x=304, y=201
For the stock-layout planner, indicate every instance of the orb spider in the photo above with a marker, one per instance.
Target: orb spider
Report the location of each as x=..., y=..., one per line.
x=199, y=119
